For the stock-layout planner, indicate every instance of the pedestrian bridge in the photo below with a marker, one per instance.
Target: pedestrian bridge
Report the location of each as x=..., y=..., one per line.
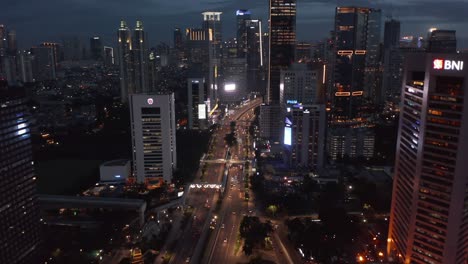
x=205, y=186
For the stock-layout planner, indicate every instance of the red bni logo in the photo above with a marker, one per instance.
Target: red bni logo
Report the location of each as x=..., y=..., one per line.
x=150, y=101
x=438, y=64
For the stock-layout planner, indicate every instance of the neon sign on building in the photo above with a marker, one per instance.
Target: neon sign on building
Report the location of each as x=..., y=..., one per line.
x=441, y=64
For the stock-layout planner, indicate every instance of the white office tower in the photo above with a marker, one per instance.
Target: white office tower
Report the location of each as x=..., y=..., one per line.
x=153, y=137
x=304, y=136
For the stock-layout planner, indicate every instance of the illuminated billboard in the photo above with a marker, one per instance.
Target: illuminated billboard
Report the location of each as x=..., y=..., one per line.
x=287, y=136
x=201, y=111
x=230, y=87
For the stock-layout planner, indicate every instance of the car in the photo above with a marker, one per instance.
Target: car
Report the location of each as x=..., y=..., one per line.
x=187, y=260
x=233, y=212
x=225, y=240
x=222, y=226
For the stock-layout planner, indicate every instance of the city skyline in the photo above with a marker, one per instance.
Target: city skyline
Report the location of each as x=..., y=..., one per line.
x=416, y=18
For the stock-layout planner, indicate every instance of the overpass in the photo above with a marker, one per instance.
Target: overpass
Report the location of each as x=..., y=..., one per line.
x=62, y=201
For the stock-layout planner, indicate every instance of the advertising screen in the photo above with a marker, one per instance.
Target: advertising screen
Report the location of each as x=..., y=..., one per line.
x=201, y=111
x=287, y=136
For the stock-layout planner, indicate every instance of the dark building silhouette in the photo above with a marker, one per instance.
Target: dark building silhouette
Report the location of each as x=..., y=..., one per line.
x=96, y=48
x=392, y=60
x=442, y=41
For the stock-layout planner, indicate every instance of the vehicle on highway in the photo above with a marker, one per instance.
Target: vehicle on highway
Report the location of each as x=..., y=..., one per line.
x=187, y=260
x=222, y=226
x=225, y=240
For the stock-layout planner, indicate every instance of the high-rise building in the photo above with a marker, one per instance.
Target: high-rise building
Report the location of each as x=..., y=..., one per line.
x=428, y=219
x=199, y=56
x=125, y=60
x=109, y=56
x=19, y=212
x=271, y=122
x=197, y=111
x=178, y=39
x=242, y=16
x=304, y=136
x=73, y=49
x=96, y=48
x=153, y=137
x=255, y=56
x=392, y=60
x=301, y=85
x=3, y=40
x=25, y=62
x=212, y=21
x=347, y=142
x=356, y=51
x=442, y=41
x=44, y=63
x=282, y=33
x=12, y=44
x=303, y=52
x=56, y=49
x=140, y=59
x=234, y=80
x=8, y=69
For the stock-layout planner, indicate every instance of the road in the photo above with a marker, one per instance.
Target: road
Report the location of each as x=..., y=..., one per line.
x=181, y=245
x=224, y=246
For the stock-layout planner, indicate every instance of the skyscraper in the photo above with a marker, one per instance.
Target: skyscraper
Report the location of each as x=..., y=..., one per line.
x=125, y=61
x=197, y=110
x=140, y=59
x=242, y=16
x=305, y=136
x=442, y=41
x=301, y=85
x=212, y=20
x=429, y=220
x=178, y=41
x=357, y=38
x=108, y=56
x=392, y=60
x=255, y=57
x=282, y=40
x=96, y=48
x=153, y=137
x=44, y=63
x=19, y=212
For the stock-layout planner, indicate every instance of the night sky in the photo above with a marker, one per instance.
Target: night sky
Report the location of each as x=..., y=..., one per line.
x=48, y=20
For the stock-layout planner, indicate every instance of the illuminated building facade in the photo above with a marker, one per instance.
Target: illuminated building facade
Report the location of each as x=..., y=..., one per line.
x=153, y=137
x=19, y=212
x=282, y=33
x=357, y=38
x=429, y=220
x=300, y=84
x=306, y=136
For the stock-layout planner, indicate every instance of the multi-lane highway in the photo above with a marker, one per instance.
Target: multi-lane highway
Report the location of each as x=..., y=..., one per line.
x=186, y=245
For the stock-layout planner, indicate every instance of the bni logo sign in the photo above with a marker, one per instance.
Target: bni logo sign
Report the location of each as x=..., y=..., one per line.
x=441, y=64
x=150, y=101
